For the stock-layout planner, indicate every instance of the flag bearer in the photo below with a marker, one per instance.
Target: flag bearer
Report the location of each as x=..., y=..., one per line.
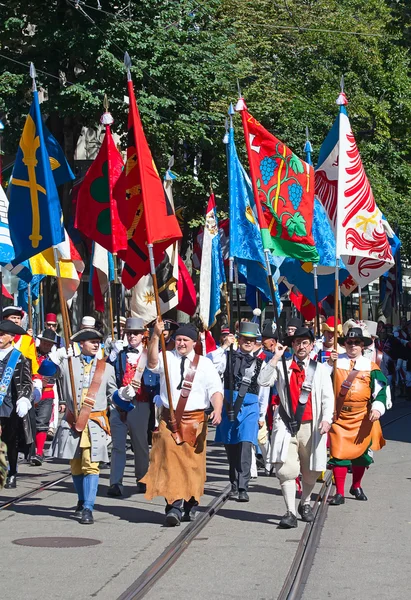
x=85, y=441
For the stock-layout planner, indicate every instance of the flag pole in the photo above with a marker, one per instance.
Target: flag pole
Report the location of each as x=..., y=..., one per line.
x=41, y=294
x=29, y=308
x=66, y=330
x=237, y=294
x=308, y=151
x=241, y=107
x=230, y=312
x=1, y=294
x=110, y=308
x=172, y=418
x=360, y=303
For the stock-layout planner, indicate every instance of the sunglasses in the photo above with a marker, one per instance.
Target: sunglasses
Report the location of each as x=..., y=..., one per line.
x=353, y=342
x=135, y=332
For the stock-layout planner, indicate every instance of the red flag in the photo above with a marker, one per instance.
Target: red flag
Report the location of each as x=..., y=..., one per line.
x=303, y=305
x=285, y=185
x=150, y=216
x=97, y=214
x=6, y=293
x=187, y=297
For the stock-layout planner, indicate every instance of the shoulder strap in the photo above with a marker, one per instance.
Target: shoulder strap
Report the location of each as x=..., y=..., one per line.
x=186, y=389
x=243, y=389
x=347, y=383
x=141, y=365
x=8, y=373
x=305, y=391
x=90, y=399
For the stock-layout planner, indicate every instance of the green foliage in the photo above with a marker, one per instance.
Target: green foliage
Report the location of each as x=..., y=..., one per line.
x=288, y=55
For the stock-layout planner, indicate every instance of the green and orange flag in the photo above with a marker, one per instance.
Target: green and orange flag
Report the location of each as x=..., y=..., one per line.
x=285, y=186
x=97, y=215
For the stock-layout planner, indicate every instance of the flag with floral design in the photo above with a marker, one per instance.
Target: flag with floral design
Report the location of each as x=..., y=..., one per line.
x=285, y=185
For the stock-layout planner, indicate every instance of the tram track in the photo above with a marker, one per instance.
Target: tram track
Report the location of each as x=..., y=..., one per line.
x=45, y=486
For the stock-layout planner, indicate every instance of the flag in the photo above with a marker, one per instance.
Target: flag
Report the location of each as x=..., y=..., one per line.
x=345, y=192
x=303, y=304
x=286, y=191
x=150, y=218
x=6, y=247
x=71, y=266
x=223, y=231
x=142, y=296
x=187, y=297
x=212, y=276
x=101, y=273
x=61, y=169
x=246, y=245
x=97, y=213
x=33, y=193
x=22, y=299
x=300, y=273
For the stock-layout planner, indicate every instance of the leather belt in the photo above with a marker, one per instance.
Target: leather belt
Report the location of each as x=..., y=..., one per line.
x=346, y=408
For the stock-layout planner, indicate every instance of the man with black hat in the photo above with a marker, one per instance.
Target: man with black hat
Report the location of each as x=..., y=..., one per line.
x=177, y=471
x=23, y=342
x=136, y=387
x=361, y=401
x=43, y=392
x=238, y=430
x=84, y=441
x=299, y=443
x=16, y=388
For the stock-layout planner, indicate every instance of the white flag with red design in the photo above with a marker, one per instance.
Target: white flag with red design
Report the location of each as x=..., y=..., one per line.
x=345, y=192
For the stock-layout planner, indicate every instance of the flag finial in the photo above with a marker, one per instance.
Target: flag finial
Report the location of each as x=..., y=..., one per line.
x=127, y=63
x=33, y=75
x=308, y=147
x=342, y=98
x=106, y=118
x=240, y=104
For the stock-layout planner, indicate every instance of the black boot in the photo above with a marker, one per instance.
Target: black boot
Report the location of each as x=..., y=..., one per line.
x=11, y=482
x=289, y=521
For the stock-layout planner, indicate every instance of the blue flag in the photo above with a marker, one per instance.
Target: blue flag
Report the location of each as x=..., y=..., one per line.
x=23, y=291
x=58, y=162
x=300, y=274
x=35, y=216
x=246, y=245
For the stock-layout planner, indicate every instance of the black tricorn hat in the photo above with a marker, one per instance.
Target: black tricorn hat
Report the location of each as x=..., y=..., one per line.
x=11, y=328
x=357, y=334
x=300, y=332
x=85, y=334
x=48, y=335
x=269, y=330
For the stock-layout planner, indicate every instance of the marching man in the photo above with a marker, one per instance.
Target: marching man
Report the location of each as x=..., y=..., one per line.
x=16, y=388
x=85, y=441
x=177, y=468
x=299, y=443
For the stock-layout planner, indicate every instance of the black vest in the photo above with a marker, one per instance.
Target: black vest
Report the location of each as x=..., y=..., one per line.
x=241, y=362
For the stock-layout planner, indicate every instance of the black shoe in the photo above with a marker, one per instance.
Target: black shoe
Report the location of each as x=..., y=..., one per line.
x=358, y=493
x=36, y=461
x=189, y=515
x=141, y=488
x=114, y=491
x=86, y=517
x=289, y=521
x=337, y=500
x=173, y=518
x=79, y=509
x=233, y=493
x=11, y=482
x=306, y=513
x=243, y=496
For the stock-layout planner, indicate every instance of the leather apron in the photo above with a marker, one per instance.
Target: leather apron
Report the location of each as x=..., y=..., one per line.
x=352, y=433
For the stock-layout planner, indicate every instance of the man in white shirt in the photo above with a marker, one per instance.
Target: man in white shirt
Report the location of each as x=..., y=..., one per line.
x=177, y=471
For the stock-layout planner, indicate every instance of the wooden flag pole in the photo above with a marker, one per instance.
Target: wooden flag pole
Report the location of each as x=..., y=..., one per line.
x=110, y=308
x=230, y=407
x=172, y=420
x=360, y=303
x=117, y=298
x=41, y=294
x=29, y=308
x=66, y=330
x=336, y=311
x=317, y=310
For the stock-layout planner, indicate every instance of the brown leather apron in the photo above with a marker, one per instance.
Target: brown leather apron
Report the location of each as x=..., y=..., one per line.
x=352, y=432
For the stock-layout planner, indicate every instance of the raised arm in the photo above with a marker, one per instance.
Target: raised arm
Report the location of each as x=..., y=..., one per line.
x=153, y=345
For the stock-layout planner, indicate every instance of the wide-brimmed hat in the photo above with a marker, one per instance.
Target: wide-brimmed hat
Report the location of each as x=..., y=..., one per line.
x=9, y=311
x=269, y=330
x=300, y=332
x=48, y=336
x=249, y=329
x=329, y=325
x=355, y=333
x=85, y=334
x=134, y=324
x=11, y=328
